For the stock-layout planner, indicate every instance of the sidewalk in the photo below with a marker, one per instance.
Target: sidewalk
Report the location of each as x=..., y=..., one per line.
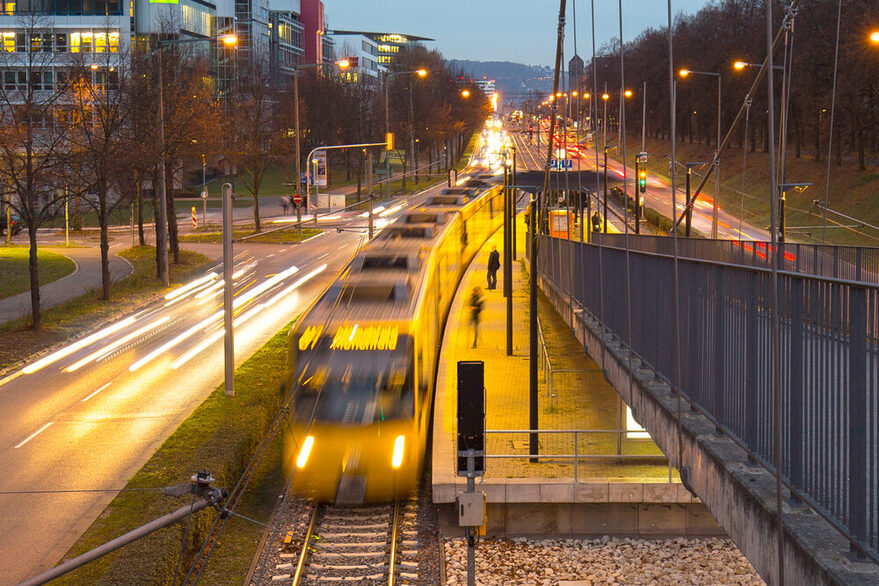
x=582, y=400
x=85, y=277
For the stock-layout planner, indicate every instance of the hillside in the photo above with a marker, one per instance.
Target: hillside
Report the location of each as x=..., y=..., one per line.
x=514, y=80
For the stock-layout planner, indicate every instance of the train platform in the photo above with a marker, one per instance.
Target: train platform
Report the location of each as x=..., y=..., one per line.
x=598, y=474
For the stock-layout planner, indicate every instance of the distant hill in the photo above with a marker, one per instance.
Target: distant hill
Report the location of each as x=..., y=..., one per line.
x=511, y=79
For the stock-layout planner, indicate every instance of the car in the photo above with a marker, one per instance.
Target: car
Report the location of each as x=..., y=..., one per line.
x=16, y=224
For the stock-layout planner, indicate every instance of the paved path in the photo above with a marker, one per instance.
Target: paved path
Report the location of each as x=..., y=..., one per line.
x=87, y=276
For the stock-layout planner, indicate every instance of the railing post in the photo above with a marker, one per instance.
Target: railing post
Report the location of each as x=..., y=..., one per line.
x=857, y=416
x=752, y=409
x=718, y=360
x=795, y=402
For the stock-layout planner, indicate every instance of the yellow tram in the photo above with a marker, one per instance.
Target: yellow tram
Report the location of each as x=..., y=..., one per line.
x=362, y=359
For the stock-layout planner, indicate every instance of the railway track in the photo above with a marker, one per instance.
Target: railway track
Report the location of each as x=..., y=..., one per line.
x=374, y=544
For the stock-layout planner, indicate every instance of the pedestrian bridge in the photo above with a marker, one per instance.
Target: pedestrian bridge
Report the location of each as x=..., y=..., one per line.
x=739, y=372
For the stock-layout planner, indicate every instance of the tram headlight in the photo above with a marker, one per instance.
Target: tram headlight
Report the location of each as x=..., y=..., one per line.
x=398, y=451
x=304, y=452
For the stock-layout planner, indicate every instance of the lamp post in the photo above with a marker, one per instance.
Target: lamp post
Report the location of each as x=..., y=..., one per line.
x=344, y=63
x=388, y=77
x=685, y=73
x=162, y=221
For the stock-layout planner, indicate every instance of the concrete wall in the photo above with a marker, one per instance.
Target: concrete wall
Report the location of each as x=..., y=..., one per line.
x=741, y=497
x=561, y=520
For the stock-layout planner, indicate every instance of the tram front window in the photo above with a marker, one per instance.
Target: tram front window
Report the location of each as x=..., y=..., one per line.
x=359, y=391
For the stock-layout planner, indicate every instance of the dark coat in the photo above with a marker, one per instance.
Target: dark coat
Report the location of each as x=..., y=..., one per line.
x=494, y=260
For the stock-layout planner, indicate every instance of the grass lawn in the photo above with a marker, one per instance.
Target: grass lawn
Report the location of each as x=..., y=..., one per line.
x=15, y=275
x=81, y=313
x=288, y=236
x=852, y=191
x=219, y=437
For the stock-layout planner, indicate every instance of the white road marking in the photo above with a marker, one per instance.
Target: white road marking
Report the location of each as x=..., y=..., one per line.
x=96, y=392
x=34, y=434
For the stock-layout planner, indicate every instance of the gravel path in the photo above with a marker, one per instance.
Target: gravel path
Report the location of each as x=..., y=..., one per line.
x=601, y=561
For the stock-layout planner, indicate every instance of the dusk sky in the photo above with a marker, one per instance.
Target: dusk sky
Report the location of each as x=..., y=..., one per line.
x=521, y=31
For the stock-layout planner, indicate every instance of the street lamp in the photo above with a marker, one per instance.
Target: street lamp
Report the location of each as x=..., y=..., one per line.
x=465, y=93
x=344, y=63
x=161, y=232
x=686, y=73
x=420, y=73
x=874, y=37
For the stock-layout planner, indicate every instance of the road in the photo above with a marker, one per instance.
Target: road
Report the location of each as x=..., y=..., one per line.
x=658, y=195
x=88, y=416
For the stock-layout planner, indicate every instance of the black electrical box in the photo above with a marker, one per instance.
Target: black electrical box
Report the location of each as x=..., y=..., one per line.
x=471, y=414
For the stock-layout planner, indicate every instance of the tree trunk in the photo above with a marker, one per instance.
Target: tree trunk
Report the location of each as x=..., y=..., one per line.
x=105, y=245
x=77, y=213
x=172, y=218
x=33, y=269
x=156, y=225
x=256, y=223
x=138, y=194
x=817, y=157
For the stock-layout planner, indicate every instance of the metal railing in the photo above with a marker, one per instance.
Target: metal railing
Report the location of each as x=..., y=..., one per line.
x=850, y=263
x=544, y=364
x=576, y=456
x=829, y=349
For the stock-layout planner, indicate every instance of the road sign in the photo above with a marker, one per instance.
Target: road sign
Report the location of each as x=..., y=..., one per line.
x=204, y=194
x=642, y=157
x=561, y=163
x=297, y=198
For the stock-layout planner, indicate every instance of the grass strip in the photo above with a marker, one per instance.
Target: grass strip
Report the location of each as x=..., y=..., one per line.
x=15, y=274
x=83, y=312
x=290, y=236
x=220, y=436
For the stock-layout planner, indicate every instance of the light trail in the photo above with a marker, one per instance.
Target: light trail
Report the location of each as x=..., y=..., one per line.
x=176, y=340
x=99, y=335
x=296, y=285
x=186, y=288
x=118, y=343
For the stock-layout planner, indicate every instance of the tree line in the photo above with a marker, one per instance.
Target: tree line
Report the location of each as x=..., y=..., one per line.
x=726, y=31
x=81, y=129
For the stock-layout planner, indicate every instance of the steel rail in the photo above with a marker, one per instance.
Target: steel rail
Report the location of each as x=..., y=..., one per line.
x=303, y=553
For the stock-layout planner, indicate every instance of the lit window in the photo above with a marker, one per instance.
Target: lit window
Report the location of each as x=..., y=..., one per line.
x=114, y=42
x=131, y=9
x=9, y=42
x=100, y=42
x=87, y=42
x=9, y=8
x=75, y=42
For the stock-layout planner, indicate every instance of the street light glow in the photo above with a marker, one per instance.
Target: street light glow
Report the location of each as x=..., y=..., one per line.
x=605, y=96
x=628, y=93
x=740, y=65
x=344, y=63
x=229, y=40
x=684, y=72
x=465, y=93
x=421, y=72
x=874, y=37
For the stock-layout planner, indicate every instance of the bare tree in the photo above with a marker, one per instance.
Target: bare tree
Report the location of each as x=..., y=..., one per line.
x=32, y=145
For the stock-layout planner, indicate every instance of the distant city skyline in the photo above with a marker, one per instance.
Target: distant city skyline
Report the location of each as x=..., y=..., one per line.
x=504, y=30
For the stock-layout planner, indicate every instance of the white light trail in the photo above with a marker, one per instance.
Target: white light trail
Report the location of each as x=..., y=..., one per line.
x=176, y=340
x=99, y=335
x=263, y=287
x=185, y=288
x=118, y=343
x=207, y=342
x=296, y=285
x=392, y=210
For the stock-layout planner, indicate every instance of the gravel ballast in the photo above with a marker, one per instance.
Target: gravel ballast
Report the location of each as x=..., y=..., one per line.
x=608, y=560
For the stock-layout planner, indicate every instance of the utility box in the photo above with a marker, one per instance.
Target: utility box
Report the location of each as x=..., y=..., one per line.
x=471, y=509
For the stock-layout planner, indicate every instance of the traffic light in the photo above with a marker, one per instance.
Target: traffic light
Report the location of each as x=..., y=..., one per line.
x=389, y=141
x=642, y=181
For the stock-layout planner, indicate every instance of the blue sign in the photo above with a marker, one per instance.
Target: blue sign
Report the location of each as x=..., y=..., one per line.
x=561, y=164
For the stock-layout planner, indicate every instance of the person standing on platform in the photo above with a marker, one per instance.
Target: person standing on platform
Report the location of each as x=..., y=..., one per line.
x=476, y=303
x=494, y=263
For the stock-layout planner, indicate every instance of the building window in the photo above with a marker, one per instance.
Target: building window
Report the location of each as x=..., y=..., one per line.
x=8, y=42
x=61, y=43
x=9, y=8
